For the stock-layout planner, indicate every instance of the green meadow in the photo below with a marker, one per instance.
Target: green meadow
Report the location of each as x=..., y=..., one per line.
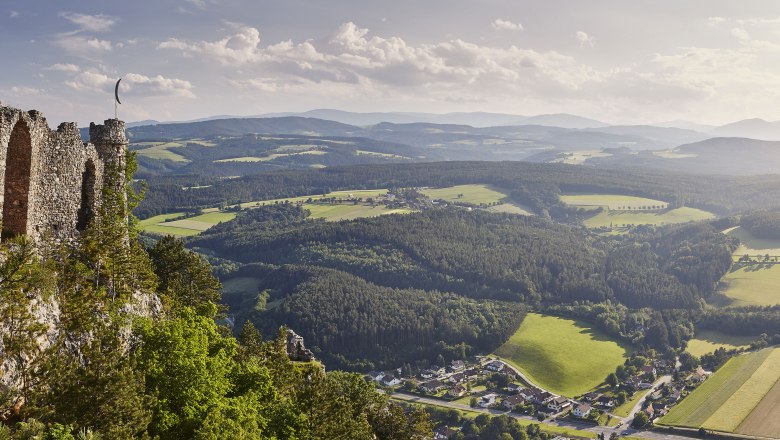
x=474, y=194
x=562, y=355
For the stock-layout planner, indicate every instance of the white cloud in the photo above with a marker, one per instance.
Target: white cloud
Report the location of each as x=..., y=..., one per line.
x=90, y=23
x=505, y=25
x=740, y=34
x=64, y=67
x=133, y=84
x=13, y=14
x=714, y=21
x=240, y=48
x=26, y=91
x=82, y=45
x=201, y=4
x=584, y=39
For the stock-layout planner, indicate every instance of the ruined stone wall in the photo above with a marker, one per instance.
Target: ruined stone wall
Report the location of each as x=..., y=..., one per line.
x=51, y=180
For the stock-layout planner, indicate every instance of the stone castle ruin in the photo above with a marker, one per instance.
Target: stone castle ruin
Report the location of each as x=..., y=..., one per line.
x=50, y=180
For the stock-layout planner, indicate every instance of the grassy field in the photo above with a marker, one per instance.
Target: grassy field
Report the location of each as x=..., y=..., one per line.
x=184, y=227
x=358, y=193
x=474, y=194
x=240, y=285
x=620, y=218
x=724, y=400
x=510, y=208
x=375, y=154
x=753, y=246
x=159, y=150
x=349, y=211
x=619, y=210
x=565, y=356
x=612, y=201
x=708, y=341
x=271, y=157
x=753, y=285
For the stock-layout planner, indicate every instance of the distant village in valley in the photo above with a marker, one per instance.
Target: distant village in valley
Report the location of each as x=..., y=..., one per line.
x=489, y=384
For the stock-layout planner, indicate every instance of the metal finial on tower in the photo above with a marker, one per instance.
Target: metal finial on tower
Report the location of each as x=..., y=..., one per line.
x=116, y=98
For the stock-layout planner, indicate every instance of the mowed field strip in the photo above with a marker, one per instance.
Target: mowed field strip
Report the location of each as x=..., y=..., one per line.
x=724, y=400
x=562, y=355
x=620, y=210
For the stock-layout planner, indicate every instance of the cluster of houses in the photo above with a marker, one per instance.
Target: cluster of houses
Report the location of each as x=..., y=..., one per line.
x=661, y=400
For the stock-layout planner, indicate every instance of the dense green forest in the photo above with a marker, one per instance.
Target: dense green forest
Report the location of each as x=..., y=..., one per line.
x=336, y=282
x=762, y=224
x=115, y=368
x=535, y=185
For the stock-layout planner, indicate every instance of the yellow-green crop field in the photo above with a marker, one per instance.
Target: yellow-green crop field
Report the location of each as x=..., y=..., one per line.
x=562, y=355
x=725, y=401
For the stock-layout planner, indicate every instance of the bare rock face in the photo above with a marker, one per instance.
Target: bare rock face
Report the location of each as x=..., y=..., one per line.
x=296, y=351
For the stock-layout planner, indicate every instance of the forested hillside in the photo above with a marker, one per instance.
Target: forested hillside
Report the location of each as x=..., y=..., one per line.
x=534, y=185
x=105, y=338
x=393, y=268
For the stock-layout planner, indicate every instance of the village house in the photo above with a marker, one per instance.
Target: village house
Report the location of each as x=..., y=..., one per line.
x=699, y=375
x=471, y=373
x=376, y=376
x=487, y=400
x=591, y=396
x=427, y=374
x=558, y=404
x=512, y=402
x=536, y=395
x=582, y=410
x=457, y=365
x=513, y=388
x=457, y=391
x=456, y=378
x=648, y=370
x=605, y=402
x=432, y=386
x=390, y=381
x=496, y=366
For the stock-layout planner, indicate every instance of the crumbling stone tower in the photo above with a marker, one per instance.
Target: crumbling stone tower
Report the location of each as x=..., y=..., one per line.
x=51, y=180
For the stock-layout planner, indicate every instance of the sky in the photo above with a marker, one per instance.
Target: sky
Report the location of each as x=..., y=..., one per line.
x=706, y=61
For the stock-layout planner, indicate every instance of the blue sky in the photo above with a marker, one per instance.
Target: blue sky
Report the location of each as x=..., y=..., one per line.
x=626, y=62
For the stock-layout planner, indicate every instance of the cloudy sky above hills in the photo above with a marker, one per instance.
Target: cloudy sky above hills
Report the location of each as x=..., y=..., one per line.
x=624, y=62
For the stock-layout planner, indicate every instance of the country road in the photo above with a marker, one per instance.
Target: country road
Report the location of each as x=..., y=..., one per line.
x=560, y=423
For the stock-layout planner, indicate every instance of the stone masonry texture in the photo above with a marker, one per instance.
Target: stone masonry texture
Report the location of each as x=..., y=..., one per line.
x=52, y=180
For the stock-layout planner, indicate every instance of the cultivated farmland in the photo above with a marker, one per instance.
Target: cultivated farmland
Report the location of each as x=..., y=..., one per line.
x=619, y=210
x=565, y=356
x=726, y=400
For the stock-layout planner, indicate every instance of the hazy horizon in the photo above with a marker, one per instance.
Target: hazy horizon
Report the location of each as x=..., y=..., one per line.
x=622, y=63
